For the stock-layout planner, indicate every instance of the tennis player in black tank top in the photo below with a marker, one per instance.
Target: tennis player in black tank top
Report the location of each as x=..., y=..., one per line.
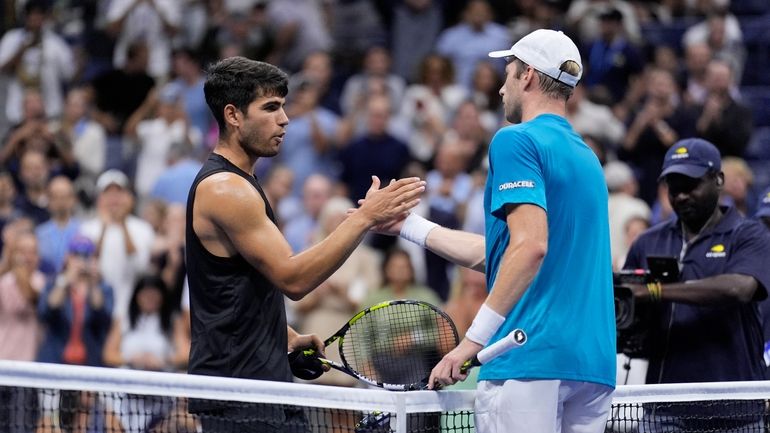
x=239, y=264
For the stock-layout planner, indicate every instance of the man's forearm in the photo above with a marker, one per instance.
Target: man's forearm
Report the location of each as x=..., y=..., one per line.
x=520, y=264
x=717, y=290
x=461, y=248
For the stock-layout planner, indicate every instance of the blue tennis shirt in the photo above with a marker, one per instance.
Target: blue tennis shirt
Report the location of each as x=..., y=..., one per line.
x=568, y=310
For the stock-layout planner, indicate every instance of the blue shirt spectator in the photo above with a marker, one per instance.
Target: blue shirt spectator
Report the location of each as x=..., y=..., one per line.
x=469, y=42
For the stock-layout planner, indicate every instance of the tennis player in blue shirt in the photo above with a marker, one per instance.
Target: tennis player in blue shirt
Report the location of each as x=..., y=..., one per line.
x=546, y=254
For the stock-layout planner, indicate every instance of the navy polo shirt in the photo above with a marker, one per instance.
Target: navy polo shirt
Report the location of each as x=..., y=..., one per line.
x=697, y=343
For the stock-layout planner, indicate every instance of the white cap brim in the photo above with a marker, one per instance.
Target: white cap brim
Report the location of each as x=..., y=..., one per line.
x=500, y=54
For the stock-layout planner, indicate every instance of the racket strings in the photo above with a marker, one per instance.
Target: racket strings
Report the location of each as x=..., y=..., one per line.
x=398, y=344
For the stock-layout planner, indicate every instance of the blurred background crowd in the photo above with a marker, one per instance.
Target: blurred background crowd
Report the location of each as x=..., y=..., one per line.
x=104, y=126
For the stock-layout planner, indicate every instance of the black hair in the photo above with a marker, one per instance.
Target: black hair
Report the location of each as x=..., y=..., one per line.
x=41, y=6
x=165, y=305
x=239, y=81
x=389, y=255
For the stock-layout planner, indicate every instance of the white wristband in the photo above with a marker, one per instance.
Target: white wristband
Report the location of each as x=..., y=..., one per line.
x=484, y=326
x=416, y=229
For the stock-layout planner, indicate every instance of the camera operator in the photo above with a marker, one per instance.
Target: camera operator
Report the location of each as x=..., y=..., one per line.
x=708, y=326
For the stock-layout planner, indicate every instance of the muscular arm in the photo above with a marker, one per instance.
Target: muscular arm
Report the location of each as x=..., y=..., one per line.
x=717, y=290
x=230, y=213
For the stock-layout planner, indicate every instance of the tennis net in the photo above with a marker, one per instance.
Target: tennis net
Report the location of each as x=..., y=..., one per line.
x=48, y=398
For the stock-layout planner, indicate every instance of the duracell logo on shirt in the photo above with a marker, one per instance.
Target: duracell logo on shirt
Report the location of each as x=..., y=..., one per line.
x=517, y=184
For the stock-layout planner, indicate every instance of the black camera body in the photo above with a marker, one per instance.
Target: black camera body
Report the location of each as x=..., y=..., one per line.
x=631, y=318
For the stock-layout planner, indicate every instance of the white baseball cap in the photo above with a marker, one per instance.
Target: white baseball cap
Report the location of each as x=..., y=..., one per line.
x=112, y=177
x=546, y=50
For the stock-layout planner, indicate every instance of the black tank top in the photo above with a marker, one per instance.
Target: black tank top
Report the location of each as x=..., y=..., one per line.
x=237, y=315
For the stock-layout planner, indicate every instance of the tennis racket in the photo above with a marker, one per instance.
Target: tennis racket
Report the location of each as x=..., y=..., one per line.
x=394, y=345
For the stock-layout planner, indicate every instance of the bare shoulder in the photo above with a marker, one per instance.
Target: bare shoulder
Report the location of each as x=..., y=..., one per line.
x=222, y=194
x=226, y=205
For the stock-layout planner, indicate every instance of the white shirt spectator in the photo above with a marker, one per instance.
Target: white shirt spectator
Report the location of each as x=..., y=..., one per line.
x=51, y=62
x=155, y=138
x=119, y=269
x=145, y=22
x=311, y=32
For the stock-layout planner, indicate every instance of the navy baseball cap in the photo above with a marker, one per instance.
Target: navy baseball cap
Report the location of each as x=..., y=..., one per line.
x=763, y=207
x=692, y=157
x=81, y=246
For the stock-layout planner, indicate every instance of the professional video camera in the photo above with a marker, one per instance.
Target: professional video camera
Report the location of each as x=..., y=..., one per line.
x=632, y=318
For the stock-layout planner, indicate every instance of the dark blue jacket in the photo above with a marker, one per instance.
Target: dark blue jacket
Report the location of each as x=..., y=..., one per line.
x=58, y=322
x=697, y=343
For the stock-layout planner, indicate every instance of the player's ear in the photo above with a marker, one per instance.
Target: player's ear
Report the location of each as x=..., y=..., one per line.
x=232, y=115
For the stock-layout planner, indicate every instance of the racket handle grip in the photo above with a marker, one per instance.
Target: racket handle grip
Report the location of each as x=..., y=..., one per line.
x=514, y=339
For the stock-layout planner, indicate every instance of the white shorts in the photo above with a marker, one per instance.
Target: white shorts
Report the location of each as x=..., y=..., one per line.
x=543, y=406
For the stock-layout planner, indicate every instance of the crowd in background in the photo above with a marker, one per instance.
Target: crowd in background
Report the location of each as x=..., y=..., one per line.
x=105, y=126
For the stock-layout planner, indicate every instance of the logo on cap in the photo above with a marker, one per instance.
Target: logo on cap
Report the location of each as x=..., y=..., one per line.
x=717, y=251
x=680, y=153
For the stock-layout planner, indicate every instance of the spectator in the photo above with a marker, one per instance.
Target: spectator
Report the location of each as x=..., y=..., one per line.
x=613, y=61
x=174, y=183
x=399, y=281
x=696, y=60
x=722, y=32
x=156, y=125
x=316, y=191
x=723, y=120
x=76, y=309
x=35, y=133
x=416, y=25
x=309, y=145
x=54, y=236
x=469, y=42
x=20, y=287
x=376, y=66
x=623, y=206
x=448, y=186
x=146, y=338
x=189, y=82
x=706, y=326
x=738, y=182
x=597, y=121
x=583, y=16
x=660, y=122
x=118, y=93
x=277, y=186
x=35, y=57
x=533, y=15
x=470, y=129
x=122, y=240
x=427, y=104
x=355, y=27
x=8, y=210
x=34, y=173
x=87, y=137
x=299, y=31
x=319, y=70
x=485, y=86
x=167, y=256
x=154, y=22
x=469, y=293
x=376, y=154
